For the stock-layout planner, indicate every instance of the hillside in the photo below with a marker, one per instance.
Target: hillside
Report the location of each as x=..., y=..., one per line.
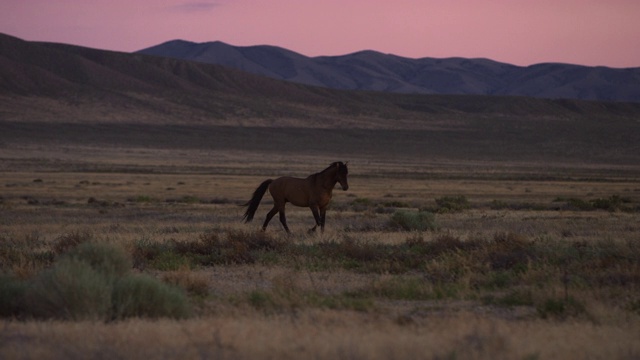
x=62, y=95
x=374, y=71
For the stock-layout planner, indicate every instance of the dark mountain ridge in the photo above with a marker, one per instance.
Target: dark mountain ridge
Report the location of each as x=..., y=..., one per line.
x=182, y=91
x=67, y=96
x=375, y=71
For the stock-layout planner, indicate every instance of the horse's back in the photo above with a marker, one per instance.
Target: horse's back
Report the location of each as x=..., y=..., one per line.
x=291, y=189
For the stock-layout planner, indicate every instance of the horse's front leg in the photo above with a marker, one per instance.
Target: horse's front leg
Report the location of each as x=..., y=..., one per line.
x=323, y=217
x=316, y=216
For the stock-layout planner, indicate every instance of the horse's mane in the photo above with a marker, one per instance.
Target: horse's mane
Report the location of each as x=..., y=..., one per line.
x=339, y=163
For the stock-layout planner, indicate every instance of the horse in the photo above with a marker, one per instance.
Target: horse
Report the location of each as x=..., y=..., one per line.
x=313, y=192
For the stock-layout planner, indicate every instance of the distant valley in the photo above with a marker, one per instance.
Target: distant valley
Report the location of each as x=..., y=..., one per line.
x=374, y=71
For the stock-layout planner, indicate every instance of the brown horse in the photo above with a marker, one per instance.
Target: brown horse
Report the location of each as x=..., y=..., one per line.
x=313, y=192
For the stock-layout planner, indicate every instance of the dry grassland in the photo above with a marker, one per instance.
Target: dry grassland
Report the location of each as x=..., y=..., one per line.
x=446, y=293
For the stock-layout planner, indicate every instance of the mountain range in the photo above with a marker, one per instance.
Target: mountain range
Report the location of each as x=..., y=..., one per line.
x=375, y=71
x=51, y=81
x=70, y=97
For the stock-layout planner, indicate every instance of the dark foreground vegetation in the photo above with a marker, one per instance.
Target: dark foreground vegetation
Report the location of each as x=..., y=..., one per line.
x=79, y=278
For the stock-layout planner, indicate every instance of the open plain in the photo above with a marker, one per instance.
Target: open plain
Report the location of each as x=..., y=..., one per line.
x=474, y=227
x=525, y=268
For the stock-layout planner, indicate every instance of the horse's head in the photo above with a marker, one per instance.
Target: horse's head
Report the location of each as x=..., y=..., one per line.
x=341, y=174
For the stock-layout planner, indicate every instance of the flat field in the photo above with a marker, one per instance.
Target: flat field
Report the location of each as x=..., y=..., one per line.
x=420, y=259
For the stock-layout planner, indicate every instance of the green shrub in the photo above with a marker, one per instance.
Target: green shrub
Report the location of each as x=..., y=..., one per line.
x=12, y=293
x=347, y=302
x=142, y=199
x=612, y=203
x=71, y=290
x=449, y=204
x=410, y=220
x=499, y=205
x=145, y=296
x=92, y=282
x=109, y=260
x=500, y=280
x=397, y=204
x=400, y=288
x=560, y=308
x=261, y=300
x=189, y=199
x=634, y=306
x=362, y=201
x=579, y=204
x=170, y=261
x=512, y=298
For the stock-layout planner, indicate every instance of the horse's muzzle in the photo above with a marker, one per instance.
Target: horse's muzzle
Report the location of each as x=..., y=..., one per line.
x=344, y=187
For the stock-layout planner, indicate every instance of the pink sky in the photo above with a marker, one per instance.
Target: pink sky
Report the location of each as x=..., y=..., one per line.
x=521, y=32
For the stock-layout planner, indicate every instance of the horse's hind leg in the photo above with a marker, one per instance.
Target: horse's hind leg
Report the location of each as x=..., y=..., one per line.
x=270, y=215
x=283, y=220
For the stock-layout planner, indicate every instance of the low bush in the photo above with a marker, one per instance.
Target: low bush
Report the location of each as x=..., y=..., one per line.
x=634, y=306
x=362, y=204
x=450, y=204
x=12, y=293
x=512, y=298
x=91, y=282
x=261, y=300
x=403, y=288
x=278, y=301
x=413, y=221
x=71, y=290
x=107, y=259
x=561, y=309
x=612, y=203
x=171, y=261
x=142, y=199
x=237, y=247
x=145, y=296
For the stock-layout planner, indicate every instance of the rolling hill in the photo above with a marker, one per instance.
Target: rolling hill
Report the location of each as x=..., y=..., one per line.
x=374, y=71
x=62, y=95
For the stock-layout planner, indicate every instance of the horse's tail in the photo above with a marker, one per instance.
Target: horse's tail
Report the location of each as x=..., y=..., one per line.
x=255, y=200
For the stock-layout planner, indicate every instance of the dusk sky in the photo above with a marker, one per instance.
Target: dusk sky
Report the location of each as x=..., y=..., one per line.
x=520, y=32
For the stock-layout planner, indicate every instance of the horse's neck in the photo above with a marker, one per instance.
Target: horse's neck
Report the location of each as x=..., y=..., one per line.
x=327, y=178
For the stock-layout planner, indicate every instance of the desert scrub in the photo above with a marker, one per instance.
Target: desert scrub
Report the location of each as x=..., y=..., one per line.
x=413, y=220
x=452, y=203
x=401, y=288
x=362, y=204
x=145, y=296
x=111, y=261
x=234, y=247
x=612, y=203
x=142, y=199
x=71, y=290
x=561, y=309
x=24, y=257
x=12, y=292
x=91, y=282
x=80, y=283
